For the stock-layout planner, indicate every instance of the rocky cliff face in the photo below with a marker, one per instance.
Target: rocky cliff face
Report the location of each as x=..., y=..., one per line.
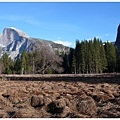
x=117, y=43
x=14, y=41
x=11, y=34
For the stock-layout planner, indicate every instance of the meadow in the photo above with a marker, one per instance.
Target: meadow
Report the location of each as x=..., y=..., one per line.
x=60, y=96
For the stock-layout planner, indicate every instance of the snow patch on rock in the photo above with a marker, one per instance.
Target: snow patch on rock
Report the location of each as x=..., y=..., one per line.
x=2, y=45
x=20, y=32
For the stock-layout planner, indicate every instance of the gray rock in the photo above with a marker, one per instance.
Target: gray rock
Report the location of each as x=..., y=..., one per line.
x=87, y=106
x=56, y=107
x=117, y=42
x=14, y=41
x=37, y=101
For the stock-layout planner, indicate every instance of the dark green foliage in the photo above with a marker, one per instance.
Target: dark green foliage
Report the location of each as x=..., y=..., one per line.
x=17, y=66
x=77, y=56
x=66, y=63
x=24, y=63
x=7, y=64
x=88, y=57
x=111, y=56
x=103, y=57
x=73, y=64
x=8, y=70
x=93, y=57
x=72, y=61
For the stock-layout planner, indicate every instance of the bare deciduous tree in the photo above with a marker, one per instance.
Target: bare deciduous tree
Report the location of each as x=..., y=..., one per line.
x=45, y=59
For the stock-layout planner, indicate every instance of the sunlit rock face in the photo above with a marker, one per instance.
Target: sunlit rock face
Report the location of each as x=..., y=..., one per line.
x=11, y=34
x=13, y=41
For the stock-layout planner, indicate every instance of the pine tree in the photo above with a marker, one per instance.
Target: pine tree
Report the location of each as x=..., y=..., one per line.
x=8, y=70
x=66, y=64
x=111, y=56
x=71, y=58
x=83, y=56
x=103, y=58
x=90, y=56
x=78, y=56
x=24, y=62
x=8, y=64
x=17, y=65
x=97, y=60
x=73, y=64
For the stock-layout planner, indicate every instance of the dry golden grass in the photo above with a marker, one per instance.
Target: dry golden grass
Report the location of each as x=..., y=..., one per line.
x=59, y=99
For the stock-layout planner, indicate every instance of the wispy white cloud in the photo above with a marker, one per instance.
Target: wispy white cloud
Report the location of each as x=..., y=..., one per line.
x=58, y=38
x=107, y=34
x=12, y=17
x=66, y=43
x=32, y=21
x=27, y=19
x=43, y=24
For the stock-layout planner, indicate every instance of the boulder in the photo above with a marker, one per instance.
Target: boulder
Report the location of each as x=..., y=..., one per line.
x=37, y=101
x=86, y=105
x=56, y=107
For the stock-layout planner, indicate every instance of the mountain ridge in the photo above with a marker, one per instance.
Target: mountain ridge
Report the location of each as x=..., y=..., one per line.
x=14, y=41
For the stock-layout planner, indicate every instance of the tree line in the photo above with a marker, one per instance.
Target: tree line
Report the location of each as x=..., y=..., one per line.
x=88, y=57
x=92, y=56
x=40, y=61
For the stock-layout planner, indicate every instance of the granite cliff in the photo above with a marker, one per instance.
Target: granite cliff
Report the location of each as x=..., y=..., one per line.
x=14, y=41
x=117, y=42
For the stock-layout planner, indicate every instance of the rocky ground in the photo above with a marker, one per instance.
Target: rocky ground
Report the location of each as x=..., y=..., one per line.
x=46, y=99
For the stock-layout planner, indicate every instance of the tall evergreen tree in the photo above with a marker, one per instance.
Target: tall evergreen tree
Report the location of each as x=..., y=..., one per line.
x=77, y=56
x=66, y=63
x=97, y=62
x=103, y=58
x=8, y=64
x=17, y=65
x=90, y=57
x=72, y=61
x=82, y=55
x=24, y=62
x=111, y=56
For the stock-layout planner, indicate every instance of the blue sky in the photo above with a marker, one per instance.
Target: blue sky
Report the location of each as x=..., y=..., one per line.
x=63, y=22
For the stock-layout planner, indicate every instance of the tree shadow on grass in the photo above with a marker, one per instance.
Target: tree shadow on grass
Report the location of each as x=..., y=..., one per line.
x=90, y=80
